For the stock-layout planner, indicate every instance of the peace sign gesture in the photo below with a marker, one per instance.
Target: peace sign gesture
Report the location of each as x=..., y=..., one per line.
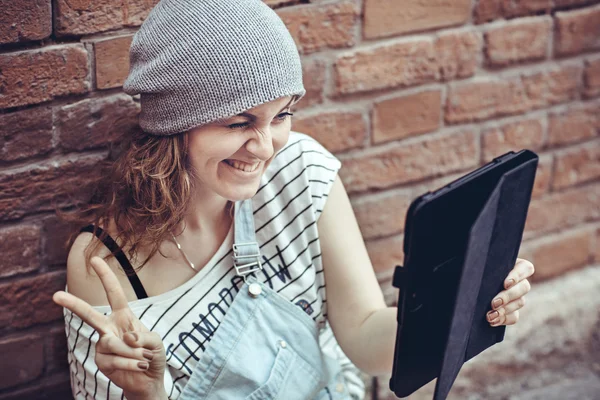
x=130, y=355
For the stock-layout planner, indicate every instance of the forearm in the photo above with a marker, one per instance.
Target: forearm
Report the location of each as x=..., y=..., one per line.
x=160, y=394
x=374, y=342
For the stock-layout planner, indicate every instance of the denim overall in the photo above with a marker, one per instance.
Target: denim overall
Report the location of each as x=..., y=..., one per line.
x=266, y=348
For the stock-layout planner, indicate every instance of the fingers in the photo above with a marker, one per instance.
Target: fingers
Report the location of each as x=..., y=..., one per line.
x=114, y=292
x=83, y=310
x=112, y=345
x=508, y=319
x=148, y=340
x=506, y=296
x=523, y=269
x=499, y=316
x=108, y=363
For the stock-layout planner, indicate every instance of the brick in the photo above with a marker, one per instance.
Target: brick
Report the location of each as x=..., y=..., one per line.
x=93, y=123
x=22, y=21
x=574, y=124
x=488, y=10
x=92, y=16
x=28, y=302
x=577, y=31
x=562, y=210
x=557, y=254
x=314, y=72
x=56, y=350
x=385, y=18
x=316, y=27
x=398, y=64
x=518, y=41
x=56, y=235
x=543, y=175
x=403, y=163
x=512, y=136
x=591, y=78
x=406, y=116
x=578, y=165
x=25, y=133
x=457, y=54
x=386, y=253
x=56, y=386
x=35, y=76
x=382, y=215
x=112, y=61
x=20, y=248
x=41, y=188
x=26, y=355
x=486, y=98
x=337, y=131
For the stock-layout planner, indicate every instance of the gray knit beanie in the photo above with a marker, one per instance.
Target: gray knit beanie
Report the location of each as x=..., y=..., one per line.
x=196, y=61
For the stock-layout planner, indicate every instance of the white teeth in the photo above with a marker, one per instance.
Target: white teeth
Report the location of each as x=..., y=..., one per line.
x=242, y=166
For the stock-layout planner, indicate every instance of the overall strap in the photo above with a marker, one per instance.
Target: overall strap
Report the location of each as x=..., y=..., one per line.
x=246, y=253
x=120, y=256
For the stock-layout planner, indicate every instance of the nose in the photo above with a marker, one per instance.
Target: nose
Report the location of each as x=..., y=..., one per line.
x=261, y=143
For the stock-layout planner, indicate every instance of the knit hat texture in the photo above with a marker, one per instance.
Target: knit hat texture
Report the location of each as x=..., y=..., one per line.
x=195, y=61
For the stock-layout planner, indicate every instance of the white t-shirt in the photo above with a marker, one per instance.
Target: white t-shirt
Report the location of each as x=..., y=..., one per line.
x=291, y=197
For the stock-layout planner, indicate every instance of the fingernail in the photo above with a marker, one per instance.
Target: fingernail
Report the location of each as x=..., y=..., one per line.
x=509, y=283
x=497, y=302
x=492, y=316
x=143, y=365
x=148, y=355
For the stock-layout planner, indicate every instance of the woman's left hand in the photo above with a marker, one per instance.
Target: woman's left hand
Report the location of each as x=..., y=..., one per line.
x=506, y=304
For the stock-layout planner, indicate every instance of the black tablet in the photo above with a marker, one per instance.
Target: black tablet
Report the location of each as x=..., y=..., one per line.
x=460, y=243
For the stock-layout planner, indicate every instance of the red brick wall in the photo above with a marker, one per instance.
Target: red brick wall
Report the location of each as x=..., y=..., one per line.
x=408, y=94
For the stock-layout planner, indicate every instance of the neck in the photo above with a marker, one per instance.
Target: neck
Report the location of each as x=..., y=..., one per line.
x=206, y=213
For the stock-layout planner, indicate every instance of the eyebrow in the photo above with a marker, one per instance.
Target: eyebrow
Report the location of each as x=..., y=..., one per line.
x=251, y=116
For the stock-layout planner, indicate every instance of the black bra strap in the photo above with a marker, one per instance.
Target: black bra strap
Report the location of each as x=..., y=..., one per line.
x=120, y=256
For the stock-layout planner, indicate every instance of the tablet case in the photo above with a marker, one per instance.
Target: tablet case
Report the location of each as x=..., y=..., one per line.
x=460, y=243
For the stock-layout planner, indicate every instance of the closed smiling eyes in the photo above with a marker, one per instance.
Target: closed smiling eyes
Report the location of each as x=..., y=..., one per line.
x=279, y=118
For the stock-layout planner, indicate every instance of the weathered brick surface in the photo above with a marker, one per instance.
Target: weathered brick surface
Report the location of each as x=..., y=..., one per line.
x=20, y=249
x=22, y=21
x=577, y=165
x=556, y=254
x=486, y=98
x=577, y=31
x=574, y=124
x=52, y=387
x=591, y=78
x=399, y=64
x=405, y=116
x=95, y=122
x=596, y=248
x=457, y=54
x=382, y=215
x=408, y=63
x=112, y=61
x=55, y=234
x=25, y=133
x=313, y=72
x=87, y=16
x=23, y=360
x=488, y=10
x=317, y=27
x=543, y=175
x=34, y=76
x=518, y=41
x=512, y=136
x=386, y=18
x=403, y=163
x=29, y=301
x=562, y=210
x=37, y=189
x=55, y=350
x=337, y=131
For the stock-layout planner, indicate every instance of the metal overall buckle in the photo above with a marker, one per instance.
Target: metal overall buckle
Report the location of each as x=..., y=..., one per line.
x=247, y=264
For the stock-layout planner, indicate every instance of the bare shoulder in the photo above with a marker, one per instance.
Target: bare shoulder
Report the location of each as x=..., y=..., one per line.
x=82, y=281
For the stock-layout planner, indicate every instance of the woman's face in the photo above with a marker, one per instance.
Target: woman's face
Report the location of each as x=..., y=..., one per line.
x=230, y=156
